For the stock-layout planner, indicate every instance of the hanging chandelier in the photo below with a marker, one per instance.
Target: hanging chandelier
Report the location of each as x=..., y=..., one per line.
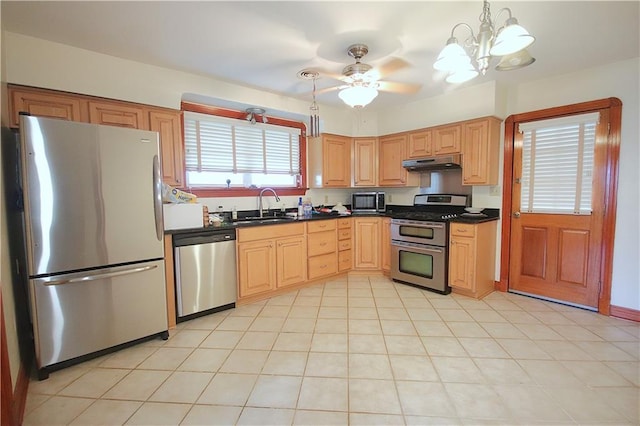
x=509, y=42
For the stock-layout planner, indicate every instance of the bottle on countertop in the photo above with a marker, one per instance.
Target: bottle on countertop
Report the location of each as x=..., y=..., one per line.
x=307, y=208
x=300, y=208
x=234, y=213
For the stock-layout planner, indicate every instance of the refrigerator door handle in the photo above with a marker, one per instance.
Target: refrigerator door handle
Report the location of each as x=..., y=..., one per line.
x=157, y=198
x=98, y=276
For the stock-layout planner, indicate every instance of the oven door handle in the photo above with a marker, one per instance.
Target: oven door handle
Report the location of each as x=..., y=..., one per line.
x=418, y=246
x=417, y=223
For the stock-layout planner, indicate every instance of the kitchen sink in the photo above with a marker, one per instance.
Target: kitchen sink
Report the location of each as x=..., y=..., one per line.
x=267, y=219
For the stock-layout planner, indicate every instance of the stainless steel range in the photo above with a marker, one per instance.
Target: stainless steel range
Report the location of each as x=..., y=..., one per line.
x=420, y=238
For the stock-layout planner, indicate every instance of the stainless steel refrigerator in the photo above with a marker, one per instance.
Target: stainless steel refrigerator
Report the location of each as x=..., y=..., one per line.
x=93, y=237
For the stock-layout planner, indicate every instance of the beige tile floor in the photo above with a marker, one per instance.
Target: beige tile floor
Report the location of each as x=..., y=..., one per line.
x=362, y=350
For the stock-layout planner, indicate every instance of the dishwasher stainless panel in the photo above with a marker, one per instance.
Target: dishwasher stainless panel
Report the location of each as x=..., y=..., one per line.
x=205, y=271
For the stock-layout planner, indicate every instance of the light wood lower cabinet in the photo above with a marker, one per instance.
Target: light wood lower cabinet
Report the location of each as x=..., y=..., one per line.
x=367, y=243
x=322, y=248
x=291, y=259
x=269, y=258
x=385, y=244
x=472, y=249
x=345, y=244
x=256, y=268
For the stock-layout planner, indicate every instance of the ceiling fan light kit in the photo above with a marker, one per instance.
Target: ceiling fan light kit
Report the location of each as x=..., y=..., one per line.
x=509, y=41
x=358, y=96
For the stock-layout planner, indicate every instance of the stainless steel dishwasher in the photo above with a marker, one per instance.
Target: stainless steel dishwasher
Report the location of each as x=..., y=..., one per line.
x=205, y=272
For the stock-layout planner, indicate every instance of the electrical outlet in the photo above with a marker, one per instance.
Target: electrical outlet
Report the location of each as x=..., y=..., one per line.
x=495, y=190
x=326, y=199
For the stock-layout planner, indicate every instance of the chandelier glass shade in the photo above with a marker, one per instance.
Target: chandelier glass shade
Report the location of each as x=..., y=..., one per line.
x=358, y=95
x=508, y=41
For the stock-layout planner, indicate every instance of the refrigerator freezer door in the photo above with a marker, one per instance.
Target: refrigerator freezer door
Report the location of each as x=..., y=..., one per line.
x=77, y=314
x=89, y=195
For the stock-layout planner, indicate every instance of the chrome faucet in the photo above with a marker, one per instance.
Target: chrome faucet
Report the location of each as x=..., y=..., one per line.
x=260, y=198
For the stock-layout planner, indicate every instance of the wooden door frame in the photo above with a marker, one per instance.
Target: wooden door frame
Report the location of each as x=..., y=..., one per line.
x=614, y=105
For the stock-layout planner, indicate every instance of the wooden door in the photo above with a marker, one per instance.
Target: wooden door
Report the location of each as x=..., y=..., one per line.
x=558, y=256
x=392, y=151
x=118, y=114
x=167, y=124
x=461, y=262
x=447, y=139
x=256, y=267
x=420, y=144
x=336, y=161
x=292, y=261
x=367, y=246
x=386, y=244
x=365, y=154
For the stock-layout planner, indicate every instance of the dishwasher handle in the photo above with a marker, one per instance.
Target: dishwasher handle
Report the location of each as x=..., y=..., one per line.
x=205, y=238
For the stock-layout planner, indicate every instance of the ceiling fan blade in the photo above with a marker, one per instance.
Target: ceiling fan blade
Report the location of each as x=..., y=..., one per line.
x=389, y=67
x=405, y=88
x=329, y=89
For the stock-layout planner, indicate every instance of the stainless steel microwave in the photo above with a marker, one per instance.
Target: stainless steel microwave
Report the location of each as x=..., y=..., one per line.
x=367, y=202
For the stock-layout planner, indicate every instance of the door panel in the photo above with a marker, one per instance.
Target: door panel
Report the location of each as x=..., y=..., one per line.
x=558, y=256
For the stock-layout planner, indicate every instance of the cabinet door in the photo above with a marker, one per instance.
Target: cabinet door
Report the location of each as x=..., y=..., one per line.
x=392, y=150
x=367, y=245
x=385, y=245
x=480, y=150
x=167, y=124
x=292, y=262
x=420, y=144
x=256, y=267
x=118, y=114
x=336, y=161
x=461, y=263
x=44, y=104
x=446, y=139
x=365, y=154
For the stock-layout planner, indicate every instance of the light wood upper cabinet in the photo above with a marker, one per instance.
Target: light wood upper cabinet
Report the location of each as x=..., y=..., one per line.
x=334, y=170
x=367, y=243
x=472, y=249
x=365, y=159
x=168, y=126
x=118, y=114
x=420, y=144
x=480, y=149
x=391, y=151
x=447, y=139
x=45, y=103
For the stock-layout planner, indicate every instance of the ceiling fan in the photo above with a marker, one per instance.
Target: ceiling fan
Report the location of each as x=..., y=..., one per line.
x=362, y=81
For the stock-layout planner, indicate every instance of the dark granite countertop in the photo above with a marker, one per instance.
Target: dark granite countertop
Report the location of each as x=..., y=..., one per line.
x=487, y=215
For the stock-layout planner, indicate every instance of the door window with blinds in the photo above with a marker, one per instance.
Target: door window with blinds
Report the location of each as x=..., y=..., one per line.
x=557, y=164
x=221, y=152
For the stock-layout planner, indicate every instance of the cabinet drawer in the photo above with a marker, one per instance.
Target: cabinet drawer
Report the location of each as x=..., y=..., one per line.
x=344, y=223
x=463, y=230
x=344, y=245
x=345, y=260
x=321, y=243
x=270, y=231
x=321, y=225
x=344, y=234
x=324, y=265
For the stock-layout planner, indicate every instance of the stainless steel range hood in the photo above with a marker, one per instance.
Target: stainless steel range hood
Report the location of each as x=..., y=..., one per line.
x=427, y=164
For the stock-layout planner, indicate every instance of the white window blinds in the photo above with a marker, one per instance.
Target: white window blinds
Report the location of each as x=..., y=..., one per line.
x=557, y=164
x=219, y=144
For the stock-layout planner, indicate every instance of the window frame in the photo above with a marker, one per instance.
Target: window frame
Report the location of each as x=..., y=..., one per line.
x=240, y=115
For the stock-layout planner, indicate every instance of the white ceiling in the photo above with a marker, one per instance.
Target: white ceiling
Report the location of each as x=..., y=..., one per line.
x=264, y=44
